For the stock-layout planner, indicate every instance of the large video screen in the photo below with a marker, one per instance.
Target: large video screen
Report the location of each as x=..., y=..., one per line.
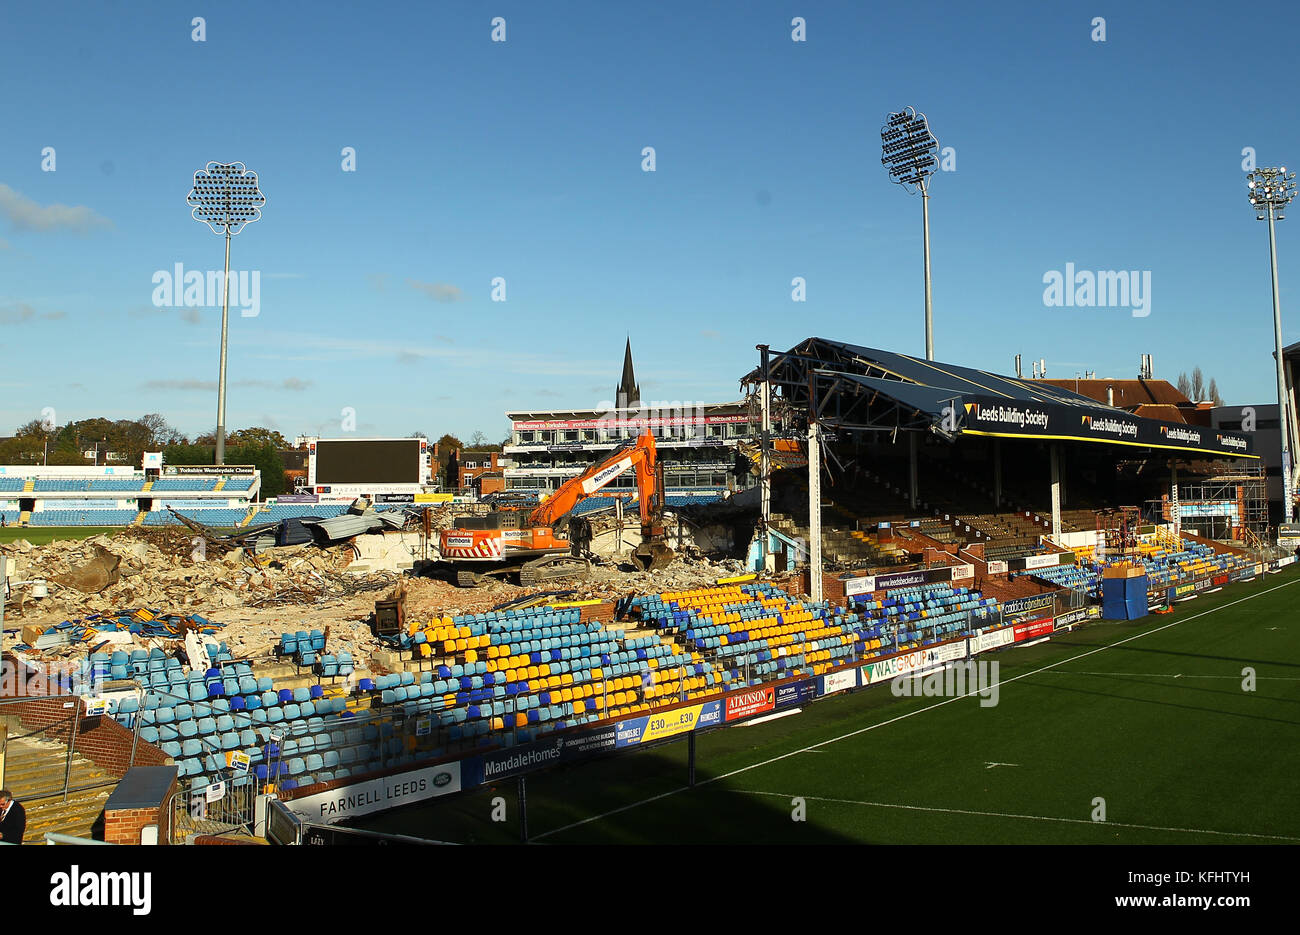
x=394, y=461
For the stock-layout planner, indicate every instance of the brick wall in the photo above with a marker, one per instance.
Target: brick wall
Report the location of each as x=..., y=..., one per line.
x=100, y=739
x=221, y=839
x=832, y=589
x=604, y=612
x=124, y=825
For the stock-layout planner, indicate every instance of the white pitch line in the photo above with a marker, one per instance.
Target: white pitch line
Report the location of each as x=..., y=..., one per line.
x=903, y=717
x=1166, y=675
x=1072, y=821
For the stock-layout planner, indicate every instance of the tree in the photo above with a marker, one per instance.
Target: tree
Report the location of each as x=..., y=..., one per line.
x=256, y=436
x=1214, y=393
x=159, y=432
x=1184, y=385
x=185, y=453
x=265, y=456
x=477, y=441
x=1198, y=385
x=446, y=445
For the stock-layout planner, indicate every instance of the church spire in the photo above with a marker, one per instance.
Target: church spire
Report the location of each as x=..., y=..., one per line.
x=628, y=393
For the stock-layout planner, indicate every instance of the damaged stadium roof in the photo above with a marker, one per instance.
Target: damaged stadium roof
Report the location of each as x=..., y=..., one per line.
x=861, y=389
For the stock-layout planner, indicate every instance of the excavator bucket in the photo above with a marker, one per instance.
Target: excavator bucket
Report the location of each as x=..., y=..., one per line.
x=652, y=556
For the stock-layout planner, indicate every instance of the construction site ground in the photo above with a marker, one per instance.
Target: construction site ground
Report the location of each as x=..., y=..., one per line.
x=286, y=589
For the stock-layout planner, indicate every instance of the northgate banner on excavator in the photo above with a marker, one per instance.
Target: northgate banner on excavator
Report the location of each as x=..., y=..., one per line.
x=1009, y=418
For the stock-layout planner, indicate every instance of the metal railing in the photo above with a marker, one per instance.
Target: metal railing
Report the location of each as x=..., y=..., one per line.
x=54, y=837
x=64, y=730
x=199, y=809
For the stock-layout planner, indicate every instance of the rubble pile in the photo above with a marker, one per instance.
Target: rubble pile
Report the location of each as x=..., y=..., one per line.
x=175, y=569
x=182, y=575
x=609, y=583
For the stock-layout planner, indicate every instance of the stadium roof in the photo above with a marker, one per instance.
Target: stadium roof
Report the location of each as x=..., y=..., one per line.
x=863, y=389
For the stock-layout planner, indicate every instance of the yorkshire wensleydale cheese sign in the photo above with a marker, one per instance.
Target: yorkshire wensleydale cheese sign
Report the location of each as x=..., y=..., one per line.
x=378, y=794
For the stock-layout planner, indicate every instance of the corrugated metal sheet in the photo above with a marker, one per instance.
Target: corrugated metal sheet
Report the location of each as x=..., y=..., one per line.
x=392, y=519
x=346, y=525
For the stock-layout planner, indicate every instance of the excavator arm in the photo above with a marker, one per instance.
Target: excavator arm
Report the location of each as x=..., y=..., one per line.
x=638, y=455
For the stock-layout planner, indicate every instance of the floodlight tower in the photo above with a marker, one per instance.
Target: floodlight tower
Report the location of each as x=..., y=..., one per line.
x=1270, y=191
x=225, y=196
x=909, y=151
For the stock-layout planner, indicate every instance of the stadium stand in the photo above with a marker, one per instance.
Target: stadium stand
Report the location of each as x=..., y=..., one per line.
x=184, y=484
x=281, y=511
x=82, y=518
x=211, y=516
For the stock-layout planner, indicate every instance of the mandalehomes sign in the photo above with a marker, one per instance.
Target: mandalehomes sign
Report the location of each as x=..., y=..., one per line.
x=988, y=415
x=559, y=748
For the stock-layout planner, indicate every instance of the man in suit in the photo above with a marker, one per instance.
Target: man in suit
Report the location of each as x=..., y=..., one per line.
x=13, y=819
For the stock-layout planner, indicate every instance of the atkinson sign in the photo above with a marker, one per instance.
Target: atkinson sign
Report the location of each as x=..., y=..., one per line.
x=748, y=703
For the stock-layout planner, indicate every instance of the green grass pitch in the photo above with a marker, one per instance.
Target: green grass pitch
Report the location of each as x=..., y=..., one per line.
x=1147, y=720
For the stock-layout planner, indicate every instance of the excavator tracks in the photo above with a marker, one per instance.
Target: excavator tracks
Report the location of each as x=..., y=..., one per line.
x=553, y=568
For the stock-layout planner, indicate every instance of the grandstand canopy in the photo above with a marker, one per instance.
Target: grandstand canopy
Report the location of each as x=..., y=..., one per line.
x=862, y=389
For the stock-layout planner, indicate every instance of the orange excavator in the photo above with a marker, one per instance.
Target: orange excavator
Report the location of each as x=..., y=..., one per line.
x=546, y=543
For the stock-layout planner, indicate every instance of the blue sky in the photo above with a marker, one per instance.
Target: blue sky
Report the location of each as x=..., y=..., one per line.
x=522, y=160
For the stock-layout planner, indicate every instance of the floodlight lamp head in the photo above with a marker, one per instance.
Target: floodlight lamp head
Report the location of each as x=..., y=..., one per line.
x=908, y=148
x=225, y=196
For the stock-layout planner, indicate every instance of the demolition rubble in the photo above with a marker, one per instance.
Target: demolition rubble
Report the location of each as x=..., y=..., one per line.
x=253, y=594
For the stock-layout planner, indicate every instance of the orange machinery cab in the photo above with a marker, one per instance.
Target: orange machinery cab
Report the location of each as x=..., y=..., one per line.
x=498, y=536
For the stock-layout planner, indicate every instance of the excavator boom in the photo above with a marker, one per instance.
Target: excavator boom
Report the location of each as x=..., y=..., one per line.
x=491, y=540
x=639, y=455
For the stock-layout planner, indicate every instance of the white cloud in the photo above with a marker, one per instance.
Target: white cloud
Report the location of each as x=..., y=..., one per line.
x=25, y=214
x=17, y=314
x=438, y=291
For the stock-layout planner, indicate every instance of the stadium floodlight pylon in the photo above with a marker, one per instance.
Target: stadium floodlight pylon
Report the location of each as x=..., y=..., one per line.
x=910, y=152
x=225, y=196
x=1270, y=191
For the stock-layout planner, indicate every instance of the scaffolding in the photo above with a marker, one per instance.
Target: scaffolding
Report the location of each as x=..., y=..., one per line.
x=1228, y=506
x=1117, y=534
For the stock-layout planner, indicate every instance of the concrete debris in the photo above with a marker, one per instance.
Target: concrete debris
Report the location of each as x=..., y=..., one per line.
x=284, y=588
x=171, y=568
x=100, y=572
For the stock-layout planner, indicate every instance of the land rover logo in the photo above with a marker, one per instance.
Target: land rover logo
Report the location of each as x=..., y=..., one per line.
x=441, y=779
